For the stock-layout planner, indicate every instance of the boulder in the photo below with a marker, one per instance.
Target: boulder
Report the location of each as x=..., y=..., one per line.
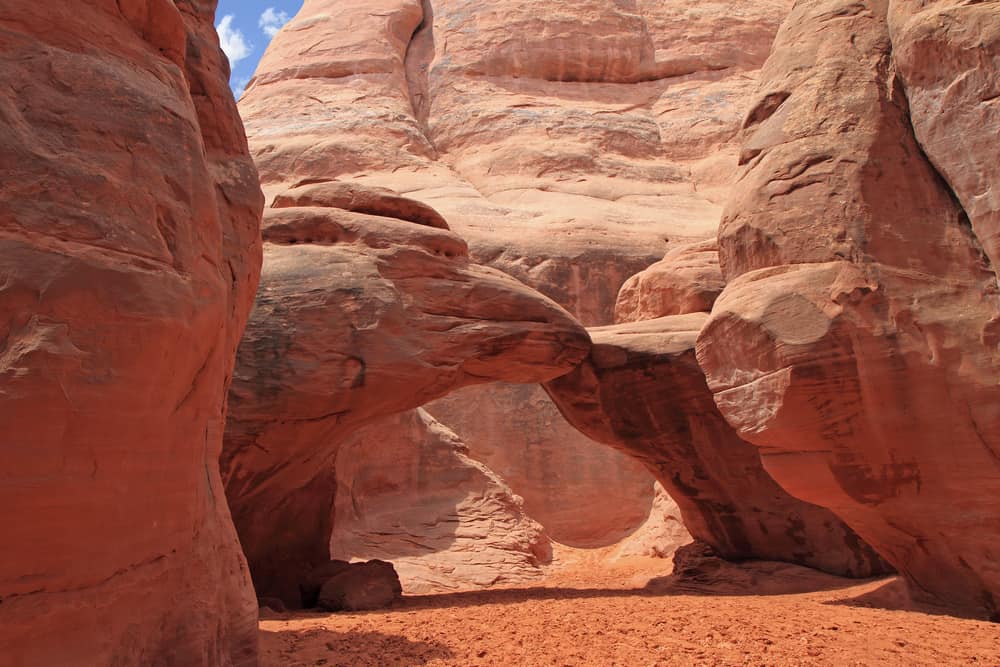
x=687, y=280
x=311, y=582
x=361, y=587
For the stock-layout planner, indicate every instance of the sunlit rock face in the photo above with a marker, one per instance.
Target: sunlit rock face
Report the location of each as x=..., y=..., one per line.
x=130, y=241
x=855, y=342
x=408, y=492
x=571, y=148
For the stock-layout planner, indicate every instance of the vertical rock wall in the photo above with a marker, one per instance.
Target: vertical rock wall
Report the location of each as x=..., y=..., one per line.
x=129, y=232
x=855, y=343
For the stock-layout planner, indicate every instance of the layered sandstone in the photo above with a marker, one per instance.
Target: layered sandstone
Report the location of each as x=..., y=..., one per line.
x=661, y=534
x=408, y=492
x=567, y=146
x=687, y=280
x=358, y=317
x=947, y=54
x=566, y=155
x=130, y=244
x=585, y=494
x=642, y=391
x=855, y=342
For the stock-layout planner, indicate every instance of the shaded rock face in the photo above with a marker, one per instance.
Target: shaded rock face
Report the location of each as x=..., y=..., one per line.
x=855, y=342
x=642, y=391
x=361, y=587
x=407, y=492
x=130, y=241
x=585, y=494
x=359, y=317
x=947, y=54
x=567, y=146
x=338, y=585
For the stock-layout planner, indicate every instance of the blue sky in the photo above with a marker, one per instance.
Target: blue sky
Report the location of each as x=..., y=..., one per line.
x=245, y=29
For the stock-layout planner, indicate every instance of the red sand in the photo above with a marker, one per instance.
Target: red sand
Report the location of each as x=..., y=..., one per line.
x=632, y=613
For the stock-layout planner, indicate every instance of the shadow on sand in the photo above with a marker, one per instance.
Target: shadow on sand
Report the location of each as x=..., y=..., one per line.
x=320, y=646
x=894, y=595
x=754, y=578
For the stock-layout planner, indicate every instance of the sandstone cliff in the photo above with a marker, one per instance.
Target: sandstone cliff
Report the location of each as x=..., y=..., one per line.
x=131, y=250
x=855, y=342
x=408, y=492
x=568, y=147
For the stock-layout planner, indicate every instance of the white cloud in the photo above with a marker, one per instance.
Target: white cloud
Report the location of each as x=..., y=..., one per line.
x=239, y=85
x=271, y=21
x=234, y=44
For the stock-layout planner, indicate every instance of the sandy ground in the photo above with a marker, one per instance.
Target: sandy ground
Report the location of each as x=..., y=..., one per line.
x=634, y=613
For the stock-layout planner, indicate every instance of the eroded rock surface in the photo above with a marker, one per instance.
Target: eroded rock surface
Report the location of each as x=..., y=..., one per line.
x=130, y=241
x=947, y=54
x=855, y=342
x=566, y=156
x=361, y=587
x=567, y=146
x=661, y=534
x=408, y=492
x=585, y=494
x=687, y=280
x=642, y=391
x=359, y=317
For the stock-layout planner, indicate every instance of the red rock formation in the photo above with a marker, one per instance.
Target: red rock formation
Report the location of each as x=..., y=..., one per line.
x=359, y=317
x=566, y=146
x=566, y=155
x=358, y=586
x=642, y=391
x=661, y=534
x=687, y=280
x=585, y=494
x=407, y=492
x=130, y=245
x=947, y=54
x=855, y=342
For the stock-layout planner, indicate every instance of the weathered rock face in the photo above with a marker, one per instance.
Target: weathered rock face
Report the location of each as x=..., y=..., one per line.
x=565, y=156
x=585, y=494
x=642, y=391
x=661, y=534
x=566, y=146
x=855, y=342
x=130, y=244
x=360, y=317
x=948, y=56
x=687, y=280
x=407, y=492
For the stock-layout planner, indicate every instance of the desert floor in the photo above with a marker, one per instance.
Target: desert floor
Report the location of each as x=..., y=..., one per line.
x=634, y=613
